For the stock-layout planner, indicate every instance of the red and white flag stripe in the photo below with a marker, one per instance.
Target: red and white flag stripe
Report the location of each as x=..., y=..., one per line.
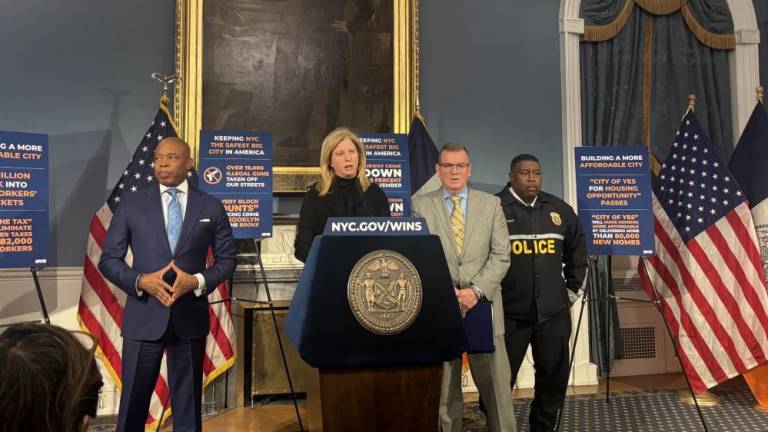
x=712, y=294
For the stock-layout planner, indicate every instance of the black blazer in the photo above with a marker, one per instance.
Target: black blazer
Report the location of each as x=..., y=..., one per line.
x=315, y=210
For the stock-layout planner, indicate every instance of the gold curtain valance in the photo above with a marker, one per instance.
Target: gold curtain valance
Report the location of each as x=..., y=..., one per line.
x=608, y=31
x=600, y=33
x=712, y=40
x=661, y=7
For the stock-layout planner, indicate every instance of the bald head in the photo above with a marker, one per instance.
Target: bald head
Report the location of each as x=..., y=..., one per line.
x=174, y=142
x=172, y=161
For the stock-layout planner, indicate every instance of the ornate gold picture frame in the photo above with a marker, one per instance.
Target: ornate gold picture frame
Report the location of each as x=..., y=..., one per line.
x=189, y=105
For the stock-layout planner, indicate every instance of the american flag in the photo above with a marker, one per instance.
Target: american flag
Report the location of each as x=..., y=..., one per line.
x=100, y=311
x=707, y=272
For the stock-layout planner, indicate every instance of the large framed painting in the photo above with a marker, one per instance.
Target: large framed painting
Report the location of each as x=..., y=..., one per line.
x=296, y=68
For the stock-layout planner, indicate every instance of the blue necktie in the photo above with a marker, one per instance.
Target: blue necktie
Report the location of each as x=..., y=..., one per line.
x=173, y=226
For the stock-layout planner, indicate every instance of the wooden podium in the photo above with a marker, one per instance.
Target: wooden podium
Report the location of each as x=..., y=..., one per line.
x=374, y=399
x=363, y=380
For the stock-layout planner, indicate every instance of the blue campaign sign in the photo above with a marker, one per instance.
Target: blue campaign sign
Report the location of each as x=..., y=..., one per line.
x=613, y=186
x=23, y=200
x=236, y=167
x=399, y=203
x=386, y=160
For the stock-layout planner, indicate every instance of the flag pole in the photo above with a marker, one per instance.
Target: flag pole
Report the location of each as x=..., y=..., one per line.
x=166, y=80
x=705, y=398
x=690, y=397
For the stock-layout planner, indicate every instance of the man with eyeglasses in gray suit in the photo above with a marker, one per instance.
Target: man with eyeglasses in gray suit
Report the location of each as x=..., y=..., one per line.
x=473, y=234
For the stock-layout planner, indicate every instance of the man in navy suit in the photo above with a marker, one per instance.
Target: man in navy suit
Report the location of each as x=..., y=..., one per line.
x=169, y=228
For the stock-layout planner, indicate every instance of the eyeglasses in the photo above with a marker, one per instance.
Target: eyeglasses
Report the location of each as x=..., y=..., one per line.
x=450, y=166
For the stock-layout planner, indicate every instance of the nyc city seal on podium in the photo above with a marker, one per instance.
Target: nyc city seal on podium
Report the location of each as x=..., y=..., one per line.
x=384, y=292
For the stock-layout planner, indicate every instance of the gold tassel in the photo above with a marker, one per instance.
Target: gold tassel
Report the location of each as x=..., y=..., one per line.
x=706, y=37
x=600, y=33
x=661, y=7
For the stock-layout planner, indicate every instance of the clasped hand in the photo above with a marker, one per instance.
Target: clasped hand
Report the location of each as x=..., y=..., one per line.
x=154, y=285
x=467, y=299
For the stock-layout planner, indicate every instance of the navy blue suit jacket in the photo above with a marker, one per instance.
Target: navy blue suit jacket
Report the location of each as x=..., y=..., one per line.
x=138, y=223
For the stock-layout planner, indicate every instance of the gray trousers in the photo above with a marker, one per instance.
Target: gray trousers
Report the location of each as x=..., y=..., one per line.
x=492, y=377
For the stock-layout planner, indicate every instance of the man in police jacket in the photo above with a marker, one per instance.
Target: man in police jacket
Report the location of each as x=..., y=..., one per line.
x=546, y=275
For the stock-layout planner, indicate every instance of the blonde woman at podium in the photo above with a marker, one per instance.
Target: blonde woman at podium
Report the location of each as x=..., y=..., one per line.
x=342, y=191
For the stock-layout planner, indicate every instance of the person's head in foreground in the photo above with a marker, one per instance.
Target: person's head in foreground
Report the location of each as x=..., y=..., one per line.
x=48, y=379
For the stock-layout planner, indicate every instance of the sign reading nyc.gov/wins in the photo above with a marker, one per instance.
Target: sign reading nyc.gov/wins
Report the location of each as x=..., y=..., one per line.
x=23, y=200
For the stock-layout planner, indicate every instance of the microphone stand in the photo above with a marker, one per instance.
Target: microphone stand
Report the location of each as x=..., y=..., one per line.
x=656, y=302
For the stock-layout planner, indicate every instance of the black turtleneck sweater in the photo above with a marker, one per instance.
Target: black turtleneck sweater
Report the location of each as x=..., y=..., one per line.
x=345, y=199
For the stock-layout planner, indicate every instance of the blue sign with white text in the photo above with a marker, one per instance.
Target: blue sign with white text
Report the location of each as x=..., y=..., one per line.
x=23, y=200
x=236, y=167
x=613, y=186
x=386, y=160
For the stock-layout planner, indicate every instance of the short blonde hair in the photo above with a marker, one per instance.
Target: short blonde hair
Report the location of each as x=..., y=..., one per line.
x=326, y=172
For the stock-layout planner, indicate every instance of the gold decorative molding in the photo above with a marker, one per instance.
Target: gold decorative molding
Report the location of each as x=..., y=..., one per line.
x=416, y=57
x=405, y=63
x=188, y=92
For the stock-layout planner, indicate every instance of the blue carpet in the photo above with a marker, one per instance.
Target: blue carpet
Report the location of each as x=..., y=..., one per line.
x=641, y=411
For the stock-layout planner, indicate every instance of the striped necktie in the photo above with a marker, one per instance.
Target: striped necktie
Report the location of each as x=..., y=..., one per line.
x=457, y=223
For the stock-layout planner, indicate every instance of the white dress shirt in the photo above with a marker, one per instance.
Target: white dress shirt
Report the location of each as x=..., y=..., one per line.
x=183, y=189
x=533, y=203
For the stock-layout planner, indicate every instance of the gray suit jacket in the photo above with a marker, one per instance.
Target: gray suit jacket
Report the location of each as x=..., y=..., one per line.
x=485, y=258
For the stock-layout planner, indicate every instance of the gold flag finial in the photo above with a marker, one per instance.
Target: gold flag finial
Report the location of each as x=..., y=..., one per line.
x=692, y=102
x=760, y=93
